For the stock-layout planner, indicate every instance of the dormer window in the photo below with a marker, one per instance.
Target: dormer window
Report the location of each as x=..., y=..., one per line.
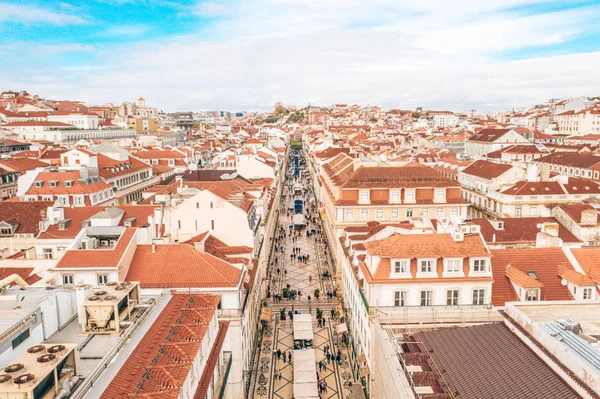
x=410, y=195
x=53, y=183
x=395, y=196
x=440, y=195
x=364, y=196
x=38, y=183
x=532, y=294
x=479, y=265
x=69, y=183
x=401, y=266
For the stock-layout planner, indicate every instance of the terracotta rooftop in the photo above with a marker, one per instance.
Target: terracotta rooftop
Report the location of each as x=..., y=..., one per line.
x=486, y=169
x=26, y=215
x=410, y=246
x=181, y=266
x=519, y=230
x=160, y=364
x=98, y=258
x=544, y=262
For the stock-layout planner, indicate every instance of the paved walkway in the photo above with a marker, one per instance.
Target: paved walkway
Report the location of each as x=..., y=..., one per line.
x=278, y=334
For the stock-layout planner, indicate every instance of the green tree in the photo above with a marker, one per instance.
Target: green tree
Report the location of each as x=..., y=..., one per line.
x=416, y=115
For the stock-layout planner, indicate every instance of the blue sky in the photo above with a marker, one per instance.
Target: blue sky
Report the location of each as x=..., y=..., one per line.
x=234, y=54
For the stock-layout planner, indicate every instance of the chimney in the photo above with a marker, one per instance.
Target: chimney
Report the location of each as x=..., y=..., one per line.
x=153, y=248
x=589, y=217
x=199, y=245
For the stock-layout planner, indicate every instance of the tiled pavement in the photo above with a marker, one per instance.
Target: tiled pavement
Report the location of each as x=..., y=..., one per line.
x=279, y=334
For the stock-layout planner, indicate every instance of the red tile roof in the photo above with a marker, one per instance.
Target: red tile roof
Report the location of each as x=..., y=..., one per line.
x=212, y=362
x=519, y=230
x=26, y=273
x=161, y=362
x=486, y=169
x=545, y=262
x=28, y=215
x=98, y=258
x=21, y=164
x=410, y=246
x=181, y=266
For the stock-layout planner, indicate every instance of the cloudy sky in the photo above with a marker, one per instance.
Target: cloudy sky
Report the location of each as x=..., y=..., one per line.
x=248, y=54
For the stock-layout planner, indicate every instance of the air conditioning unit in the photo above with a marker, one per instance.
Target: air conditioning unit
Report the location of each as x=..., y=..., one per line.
x=108, y=307
x=458, y=236
x=43, y=371
x=475, y=229
x=465, y=229
x=89, y=243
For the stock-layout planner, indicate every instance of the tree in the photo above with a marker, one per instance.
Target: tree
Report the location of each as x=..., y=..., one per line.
x=416, y=115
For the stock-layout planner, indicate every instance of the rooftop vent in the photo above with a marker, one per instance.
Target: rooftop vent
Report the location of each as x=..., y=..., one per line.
x=100, y=293
x=56, y=349
x=5, y=378
x=46, y=358
x=13, y=368
x=36, y=349
x=24, y=379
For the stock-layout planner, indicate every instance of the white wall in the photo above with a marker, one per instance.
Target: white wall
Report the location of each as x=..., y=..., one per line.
x=194, y=215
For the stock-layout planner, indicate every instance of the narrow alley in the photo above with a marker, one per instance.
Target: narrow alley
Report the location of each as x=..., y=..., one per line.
x=311, y=363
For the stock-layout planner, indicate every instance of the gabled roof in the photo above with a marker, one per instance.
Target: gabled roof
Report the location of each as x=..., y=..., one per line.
x=410, y=246
x=181, y=266
x=519, y=230
x=486, y=169
x=545, y=262
x=27, y=215
x=489, y=135
x=160, y=364
x=109, y=258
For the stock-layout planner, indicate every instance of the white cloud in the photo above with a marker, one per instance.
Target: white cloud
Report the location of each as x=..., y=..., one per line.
x=387, y=52
x=211, y=9
x=125, y=30
x=29, y=14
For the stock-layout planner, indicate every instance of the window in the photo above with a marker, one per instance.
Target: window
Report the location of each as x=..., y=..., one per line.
x=349, y=214
x=426, y=298
x=453, y=265
x=179, y=224
x=48, y=253
x=379, y=213
x=198, y=205
x=479, y=265
x=532, y=294
x=440, y=195
x=364, y=196
x=67, y=279
x=395, y=196
x=454, y=212
x=426, y=266
x=102, y=278
x=394, y=213
x=452, y=297
x=20, y=338
x=587, y=293
x=212, y=224
x=410, y=195
x=401, y=266
x=400, y=298
x=409, y=212
x=425, y=212
x=364, y=214
x=518, y=211
x=478, y=297
x=439, y=213
x=78, y=200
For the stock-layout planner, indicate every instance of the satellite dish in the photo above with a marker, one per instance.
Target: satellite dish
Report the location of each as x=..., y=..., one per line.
x=564, y=282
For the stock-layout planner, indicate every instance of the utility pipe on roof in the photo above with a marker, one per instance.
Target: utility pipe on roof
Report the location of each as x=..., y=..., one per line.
x=13, y=278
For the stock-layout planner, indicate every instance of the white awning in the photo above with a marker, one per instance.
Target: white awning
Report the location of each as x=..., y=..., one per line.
x=305, y=374
x=341, y=328
x=299, y=219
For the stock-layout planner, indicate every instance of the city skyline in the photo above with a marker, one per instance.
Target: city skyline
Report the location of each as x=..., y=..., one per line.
x=246, y=56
